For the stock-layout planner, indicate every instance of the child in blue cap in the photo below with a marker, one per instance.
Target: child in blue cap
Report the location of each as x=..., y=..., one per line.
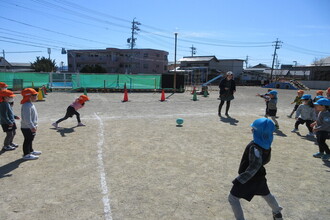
x=305, y=114
x=322, y=127
x=252, y=180
x=271, y=102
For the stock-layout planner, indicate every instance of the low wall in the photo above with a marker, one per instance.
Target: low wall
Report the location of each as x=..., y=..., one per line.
x=316, y=84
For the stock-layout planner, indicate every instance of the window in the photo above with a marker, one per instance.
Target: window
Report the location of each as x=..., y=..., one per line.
x=157, y=55
x=145, y=66
x=145, y=55
x=157, y=66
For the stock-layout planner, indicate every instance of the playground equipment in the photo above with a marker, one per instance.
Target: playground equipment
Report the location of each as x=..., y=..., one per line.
x=292, y=84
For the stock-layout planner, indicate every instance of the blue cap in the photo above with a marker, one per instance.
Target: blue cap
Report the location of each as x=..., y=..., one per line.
x=306, y=97
x=263, y=129
x=273, y=92
x=323, y=101
x=319, y=97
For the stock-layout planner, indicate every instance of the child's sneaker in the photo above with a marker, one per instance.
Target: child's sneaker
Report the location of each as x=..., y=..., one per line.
x=295, y=130
x=80, y=124
x=289, y=116
x=55, y=125
x=8, y=148
x=30, y=157
x=318, y=155
x=14, y=145
x=35, y=153
x=277, y=216
x=325, y=157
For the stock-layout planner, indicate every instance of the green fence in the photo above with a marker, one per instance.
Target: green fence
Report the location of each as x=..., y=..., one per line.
x=116, y=81
x=24, y=79
x=81, y=80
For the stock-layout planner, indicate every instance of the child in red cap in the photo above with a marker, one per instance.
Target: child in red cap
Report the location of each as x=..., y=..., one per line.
x=72, y=110
x=29, y=123
x=7, y=118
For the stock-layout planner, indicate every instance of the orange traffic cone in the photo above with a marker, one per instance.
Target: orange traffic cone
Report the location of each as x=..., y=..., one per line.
x=125, y=94
x=162, y=97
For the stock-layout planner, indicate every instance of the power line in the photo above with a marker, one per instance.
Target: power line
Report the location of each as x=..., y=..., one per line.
x=56, y=32
x=59, y=17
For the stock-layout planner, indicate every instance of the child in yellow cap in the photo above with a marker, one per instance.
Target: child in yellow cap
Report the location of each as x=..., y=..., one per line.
x=72, y=110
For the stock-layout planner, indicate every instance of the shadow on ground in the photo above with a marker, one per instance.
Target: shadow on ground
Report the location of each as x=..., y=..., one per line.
x=280, y=133
x=64, y=131
x=6, y=169
x=229, y=120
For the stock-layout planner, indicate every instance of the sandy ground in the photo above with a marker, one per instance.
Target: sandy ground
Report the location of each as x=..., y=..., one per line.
x=131, y=161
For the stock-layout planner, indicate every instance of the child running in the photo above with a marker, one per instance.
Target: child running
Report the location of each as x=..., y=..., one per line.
x=271, y=100
x=29, y=123
x=8, y=119
x=298, y=101
x=322, y=128
x=305, y=114
x=72, y=110
x=252, y=180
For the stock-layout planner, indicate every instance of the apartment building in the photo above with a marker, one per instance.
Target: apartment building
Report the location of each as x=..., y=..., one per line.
x=114, y=60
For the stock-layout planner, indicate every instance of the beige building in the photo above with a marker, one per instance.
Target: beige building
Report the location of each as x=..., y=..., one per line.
x=148, y=61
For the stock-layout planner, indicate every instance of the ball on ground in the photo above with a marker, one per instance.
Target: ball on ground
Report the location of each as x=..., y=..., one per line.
x=179, y=121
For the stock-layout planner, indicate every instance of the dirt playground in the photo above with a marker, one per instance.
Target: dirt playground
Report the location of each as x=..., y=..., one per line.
x=132, y=162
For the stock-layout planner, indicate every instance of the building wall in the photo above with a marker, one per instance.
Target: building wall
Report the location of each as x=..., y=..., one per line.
x=120, y=60
x=236, y=66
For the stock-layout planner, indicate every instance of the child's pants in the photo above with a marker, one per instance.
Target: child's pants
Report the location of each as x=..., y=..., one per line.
x=238, y=211
x=70, y=111
x=321, y=138
x=301, y=122
x=28, y=139
x=9, y=137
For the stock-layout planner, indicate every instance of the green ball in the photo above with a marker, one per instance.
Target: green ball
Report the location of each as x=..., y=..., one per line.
x=179, y=121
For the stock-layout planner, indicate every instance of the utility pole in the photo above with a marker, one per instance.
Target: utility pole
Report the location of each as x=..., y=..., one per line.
x=3, y=54
x=135, y=28
x=193, y=50
x=246, y=61
x=277, y=46
x=174, y=77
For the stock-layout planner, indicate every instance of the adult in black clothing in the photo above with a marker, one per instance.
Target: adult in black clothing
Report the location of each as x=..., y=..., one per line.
x=227, y=89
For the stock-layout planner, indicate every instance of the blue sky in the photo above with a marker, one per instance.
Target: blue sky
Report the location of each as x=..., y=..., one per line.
x=228, y=29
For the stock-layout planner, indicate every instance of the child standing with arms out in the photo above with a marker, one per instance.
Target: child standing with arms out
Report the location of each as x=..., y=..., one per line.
x=322, y=128
x=271, y=100
x=8, y=119
x=72, y=110
x=305, y=114
x=29, y=123
x=252, y=180
x=265, y=96
x=298, y=101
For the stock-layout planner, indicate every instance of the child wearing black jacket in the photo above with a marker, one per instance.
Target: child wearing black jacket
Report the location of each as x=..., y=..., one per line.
x=252, y=180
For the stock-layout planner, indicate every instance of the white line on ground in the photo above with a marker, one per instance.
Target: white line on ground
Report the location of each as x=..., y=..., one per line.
x=104, y=187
